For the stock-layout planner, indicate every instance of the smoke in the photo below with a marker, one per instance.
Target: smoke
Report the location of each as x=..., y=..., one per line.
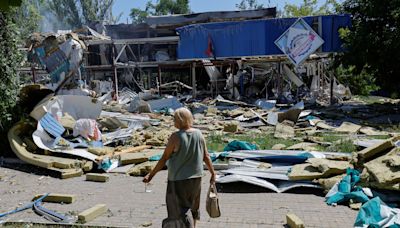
x=50, y=23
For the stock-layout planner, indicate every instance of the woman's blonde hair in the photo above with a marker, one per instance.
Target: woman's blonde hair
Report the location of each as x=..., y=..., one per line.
x=183, y=118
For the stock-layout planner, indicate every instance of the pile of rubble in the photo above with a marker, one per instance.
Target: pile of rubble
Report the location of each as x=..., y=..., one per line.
x=76, y=134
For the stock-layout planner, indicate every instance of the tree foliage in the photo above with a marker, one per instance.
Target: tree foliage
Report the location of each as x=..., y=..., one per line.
x=162, y=7
x=10, y=58
x=360, y=83
x=310, y=8
x=27, y=18
x=138, y=16
x=372, y=43
x=249, y=5
x=75, y=13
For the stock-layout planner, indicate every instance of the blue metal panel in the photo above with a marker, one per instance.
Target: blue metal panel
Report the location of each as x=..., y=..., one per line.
x=51, y=125
x=252, y=38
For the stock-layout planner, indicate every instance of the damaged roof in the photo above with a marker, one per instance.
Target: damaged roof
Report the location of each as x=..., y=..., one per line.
x=184, y=19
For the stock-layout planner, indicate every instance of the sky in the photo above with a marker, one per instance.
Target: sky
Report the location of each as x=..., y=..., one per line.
x=124, y=6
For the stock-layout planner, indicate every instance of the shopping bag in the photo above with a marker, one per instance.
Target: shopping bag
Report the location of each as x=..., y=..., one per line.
x=212, y=204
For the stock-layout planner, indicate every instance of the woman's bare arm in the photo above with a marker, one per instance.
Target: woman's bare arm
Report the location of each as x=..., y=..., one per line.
x=172, y=142
x=207, y=160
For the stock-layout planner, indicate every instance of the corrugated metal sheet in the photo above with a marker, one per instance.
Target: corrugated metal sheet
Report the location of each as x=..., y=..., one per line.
x=185, y=19
x=253, y=37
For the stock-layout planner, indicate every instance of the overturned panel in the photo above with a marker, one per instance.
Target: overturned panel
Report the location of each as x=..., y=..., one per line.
x=44, y=161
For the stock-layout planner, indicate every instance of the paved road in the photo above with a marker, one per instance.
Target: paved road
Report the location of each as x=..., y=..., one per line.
x=130, y=206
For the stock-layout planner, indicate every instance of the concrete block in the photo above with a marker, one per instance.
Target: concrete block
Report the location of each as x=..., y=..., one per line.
x=293, y=221
x=57, y=198
x=69, y=173
x=92, y=213
x=232, y=126
x=142, y=169
x=370, y=152
x=87, y=166
x=284, y=131
x=278, y=147
x=138, y=157
x=97, y=177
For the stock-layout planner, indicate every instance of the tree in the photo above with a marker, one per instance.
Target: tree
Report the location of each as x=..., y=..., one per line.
x=249, y=5
x=310, y=8
x=75, y=13
x=10, y=59
x=372, y=42
x=28, y=17
x=138, y=16
x=162, y=7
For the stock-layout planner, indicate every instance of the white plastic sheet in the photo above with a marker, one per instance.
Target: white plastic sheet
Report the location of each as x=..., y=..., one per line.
x=281, y=186
x=76, y=106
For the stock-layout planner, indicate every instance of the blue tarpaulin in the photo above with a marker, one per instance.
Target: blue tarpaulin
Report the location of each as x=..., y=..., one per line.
x=240, y=145
x=253, y=37
x=346, y=189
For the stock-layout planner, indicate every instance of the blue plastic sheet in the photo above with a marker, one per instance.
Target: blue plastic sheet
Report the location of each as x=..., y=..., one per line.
x=376, y=213
x=347, y=189
x=155, y=157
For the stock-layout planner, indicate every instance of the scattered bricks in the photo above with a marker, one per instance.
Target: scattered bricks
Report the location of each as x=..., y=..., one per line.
x=57, y=198
x=97, y=177
x=92, y=213
x=293, y=221
x=231, y=126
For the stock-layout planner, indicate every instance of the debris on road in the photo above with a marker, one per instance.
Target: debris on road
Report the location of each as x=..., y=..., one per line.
x=57, y=198
x=92, y=213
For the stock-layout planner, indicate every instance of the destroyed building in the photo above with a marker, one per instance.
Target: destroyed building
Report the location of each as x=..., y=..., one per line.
x=206, y=54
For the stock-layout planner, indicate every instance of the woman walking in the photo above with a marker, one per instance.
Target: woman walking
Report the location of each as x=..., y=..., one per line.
x=184, y=155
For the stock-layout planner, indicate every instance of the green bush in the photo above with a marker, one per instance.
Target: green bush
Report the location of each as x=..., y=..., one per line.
x=360, y=84
x=10, y=59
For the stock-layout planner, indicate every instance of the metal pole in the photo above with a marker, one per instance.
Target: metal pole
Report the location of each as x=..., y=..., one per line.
x=33, y=74
x=115, y=74
x=331, y=77
x=159, y=80
x=194, y=80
